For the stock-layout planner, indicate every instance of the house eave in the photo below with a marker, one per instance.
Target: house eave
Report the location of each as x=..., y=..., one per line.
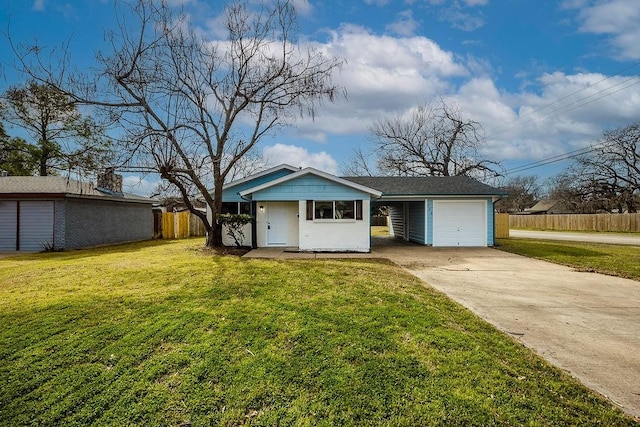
x=307, y=171
x=257, y=175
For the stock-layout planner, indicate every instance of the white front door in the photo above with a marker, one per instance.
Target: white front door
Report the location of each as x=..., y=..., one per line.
x=276, y=224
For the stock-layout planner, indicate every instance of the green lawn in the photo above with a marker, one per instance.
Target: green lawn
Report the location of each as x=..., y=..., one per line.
x=166, y=333
x=616, y=260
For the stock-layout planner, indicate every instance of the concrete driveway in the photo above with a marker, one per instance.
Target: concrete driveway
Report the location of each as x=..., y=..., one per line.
x=585, y=323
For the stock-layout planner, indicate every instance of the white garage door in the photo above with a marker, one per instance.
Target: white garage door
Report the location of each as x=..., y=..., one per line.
x=8, y=225
x=36, y=225
x=460, y=223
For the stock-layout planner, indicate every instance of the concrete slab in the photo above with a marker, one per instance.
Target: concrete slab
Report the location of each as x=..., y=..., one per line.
x=585, y=323
x=293, y=253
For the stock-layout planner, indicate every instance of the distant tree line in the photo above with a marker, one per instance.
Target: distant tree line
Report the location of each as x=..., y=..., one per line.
x=604, y=179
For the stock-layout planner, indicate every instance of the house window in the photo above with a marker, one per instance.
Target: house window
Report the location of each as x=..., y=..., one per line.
x=236, y=208
x=335, y=209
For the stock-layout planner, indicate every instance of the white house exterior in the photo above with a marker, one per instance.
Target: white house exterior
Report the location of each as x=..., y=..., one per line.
x=313, y=211
x=310, y=210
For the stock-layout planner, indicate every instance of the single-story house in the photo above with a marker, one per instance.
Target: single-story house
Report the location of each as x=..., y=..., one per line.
x=548, y=207
x=56, y=213
x=312, y=210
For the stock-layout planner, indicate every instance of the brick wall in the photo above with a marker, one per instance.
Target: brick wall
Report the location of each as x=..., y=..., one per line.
x=99, y=222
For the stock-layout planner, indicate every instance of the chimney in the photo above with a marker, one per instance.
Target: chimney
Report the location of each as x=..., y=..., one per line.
x=110, y=182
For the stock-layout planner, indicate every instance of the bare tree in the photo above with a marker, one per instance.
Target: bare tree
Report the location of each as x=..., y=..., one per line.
x=609, y=175
x=523, y=192
x=192, y=109
x=433, y=141
x=358, y=165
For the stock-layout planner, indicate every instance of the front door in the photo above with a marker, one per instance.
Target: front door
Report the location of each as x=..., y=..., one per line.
x=276, y=224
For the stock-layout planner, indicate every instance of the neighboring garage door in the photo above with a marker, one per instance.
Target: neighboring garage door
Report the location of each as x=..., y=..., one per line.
x=8, y=222
x=36, y=225
x=459, y=223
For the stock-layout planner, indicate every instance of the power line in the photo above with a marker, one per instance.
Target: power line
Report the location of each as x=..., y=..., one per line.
x=518, y=119
x=634, y=80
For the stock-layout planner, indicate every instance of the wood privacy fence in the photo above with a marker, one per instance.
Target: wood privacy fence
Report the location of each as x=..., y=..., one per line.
x=578, y=222
x=501, y=230
x=178, y=225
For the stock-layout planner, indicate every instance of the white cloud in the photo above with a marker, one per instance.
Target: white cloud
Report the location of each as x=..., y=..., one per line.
x=616, y=18
x=382, y=75
x=180, y=3
x=139, y=185
x=567, y=111
x=303, y=7
x=376, y=2
x=299, y=156
x=462, y=20
x=38, y=5
x=476, y=2
x=404, y=25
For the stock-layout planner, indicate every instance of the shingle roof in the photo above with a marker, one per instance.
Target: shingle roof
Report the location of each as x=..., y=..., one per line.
x=58, y=185
x=430, y=185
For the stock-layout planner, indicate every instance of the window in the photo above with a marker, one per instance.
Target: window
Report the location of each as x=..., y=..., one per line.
x=323, y=210
x=236, y=208
x=334, y=209
x=344, y=209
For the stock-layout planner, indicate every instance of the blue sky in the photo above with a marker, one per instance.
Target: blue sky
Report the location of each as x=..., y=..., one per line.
x=543, y=78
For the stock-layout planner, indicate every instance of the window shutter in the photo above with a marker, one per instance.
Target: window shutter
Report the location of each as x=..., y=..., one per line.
x=359, y=210
x=309, y=210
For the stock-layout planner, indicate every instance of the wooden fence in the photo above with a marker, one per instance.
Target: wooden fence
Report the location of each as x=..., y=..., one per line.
x=578, y=222
x=178, y=225
x=501, y=230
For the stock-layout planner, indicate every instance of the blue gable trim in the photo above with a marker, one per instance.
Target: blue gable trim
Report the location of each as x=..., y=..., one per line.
x=309, y=187
x=231, y=192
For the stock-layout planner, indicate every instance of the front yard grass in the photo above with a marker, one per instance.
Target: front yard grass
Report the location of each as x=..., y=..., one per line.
x=167, y=333
x=615, y=260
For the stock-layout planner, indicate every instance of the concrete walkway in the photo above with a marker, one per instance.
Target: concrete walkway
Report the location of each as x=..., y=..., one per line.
x=611, y=238
x=585, y=323
x=293, y=253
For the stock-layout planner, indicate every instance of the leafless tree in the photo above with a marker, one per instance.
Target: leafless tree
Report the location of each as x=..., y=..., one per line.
x=433, y=141
x=523, y=192
x=190, y=108
x=609, y=175
x=358, y=165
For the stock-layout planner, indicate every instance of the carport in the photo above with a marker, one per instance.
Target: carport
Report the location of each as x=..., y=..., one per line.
x=452, y=211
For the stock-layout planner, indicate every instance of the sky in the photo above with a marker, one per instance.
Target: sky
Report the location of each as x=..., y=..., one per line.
x=543, y=78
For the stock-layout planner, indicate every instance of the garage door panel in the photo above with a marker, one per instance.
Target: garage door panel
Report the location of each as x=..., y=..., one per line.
x=8, y=225
x=36, y=225
x=459, y=223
